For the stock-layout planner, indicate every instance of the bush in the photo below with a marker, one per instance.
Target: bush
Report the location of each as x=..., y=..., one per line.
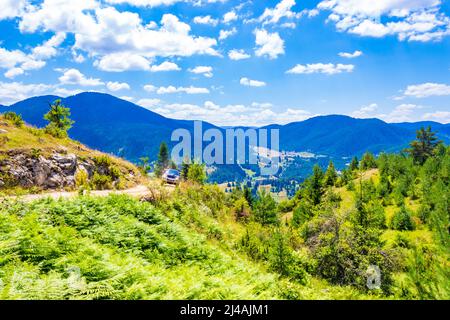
x=402, y=220
x=101, y=181
x=102, y=161
x=81, y=178
x=15, y=118
x=197, y=173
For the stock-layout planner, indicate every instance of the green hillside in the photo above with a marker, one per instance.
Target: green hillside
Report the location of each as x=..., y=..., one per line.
x=378, y=230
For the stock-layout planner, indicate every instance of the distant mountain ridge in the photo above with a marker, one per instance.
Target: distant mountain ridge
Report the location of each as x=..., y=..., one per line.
x=113, y=125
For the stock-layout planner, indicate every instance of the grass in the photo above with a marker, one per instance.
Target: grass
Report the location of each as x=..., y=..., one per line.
x=34, y=142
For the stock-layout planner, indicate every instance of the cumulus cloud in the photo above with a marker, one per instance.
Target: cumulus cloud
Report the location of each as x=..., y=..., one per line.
x=418, y=20
x=401, y=113
x=439, y=116
x=282, y=10
x=224, y=34
x=208, y=20
x=229, y=17
x=268, y=44
x=117, y=86
x=365, y=111
x=165, y=66
x=238, y=54
x=118, y=62
x=427, y=90
x=110, y=35
x=148, y=103
x=11, y=8
x=75, y=77
x=17, y=62
x=350, y=55
x=326, y=68
x=11, y=92
x=204, y=70
x=252, y=83
x=255, y=114
x=173, y=89
x=146, y=3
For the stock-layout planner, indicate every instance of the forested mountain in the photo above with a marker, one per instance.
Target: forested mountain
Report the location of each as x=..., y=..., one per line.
x=114, y=125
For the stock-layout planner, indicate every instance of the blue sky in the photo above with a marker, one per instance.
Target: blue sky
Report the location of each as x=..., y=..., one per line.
x=235, y=62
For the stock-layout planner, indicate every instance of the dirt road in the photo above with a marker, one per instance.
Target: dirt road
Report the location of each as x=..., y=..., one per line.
x=137, y=191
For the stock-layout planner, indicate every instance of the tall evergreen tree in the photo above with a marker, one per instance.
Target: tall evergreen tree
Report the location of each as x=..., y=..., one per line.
x=422, y=148
x=354, y=165
x=59, y=121
x=330, y=175
x=313, y=186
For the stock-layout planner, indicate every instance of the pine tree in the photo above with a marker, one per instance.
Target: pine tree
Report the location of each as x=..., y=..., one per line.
x=368, y=161
x=163, y=159
x=422, y=148
x=354, y=165
x=265, y=209
x=58, y=117
x=330, y=175
x=313, y=186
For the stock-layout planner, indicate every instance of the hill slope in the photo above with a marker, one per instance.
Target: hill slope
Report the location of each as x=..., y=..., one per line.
x=30, y=158
x=338, y=135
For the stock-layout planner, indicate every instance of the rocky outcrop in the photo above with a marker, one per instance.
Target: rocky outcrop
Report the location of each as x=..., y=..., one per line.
x=53, y=172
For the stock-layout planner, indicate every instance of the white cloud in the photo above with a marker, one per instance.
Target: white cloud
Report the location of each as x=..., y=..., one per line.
x=349, y=55
x=223, y=34
x=118, y=62
x=206, y=20
x=11, y=8
x=238, y=54
x=117, y=86
x=75, y=77
x=427, y=90
x=173, y=89
x=326, y=68
x=417, y=20
x=281, y=10
x=401, y=113
x=268, y=44
x=230, y=115
x=106, y=33
x=11, y=92
x=127, y=98
x=48, y=49
x=63, y=92
x=17, y=62
x=148, y=103
x=252, y=83
x=165, y=66
x=204, y=70
x=440, y=116
x=146, y=3
x=365, y=111
x=150, y=88
x=229, y=17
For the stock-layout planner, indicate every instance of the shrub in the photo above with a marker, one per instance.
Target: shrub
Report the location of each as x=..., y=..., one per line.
x=101, y=181
x=102, y=161
x=241, y=208
x=81, y=178
x=197, y=173
x=402, y=220
x=15, y=118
